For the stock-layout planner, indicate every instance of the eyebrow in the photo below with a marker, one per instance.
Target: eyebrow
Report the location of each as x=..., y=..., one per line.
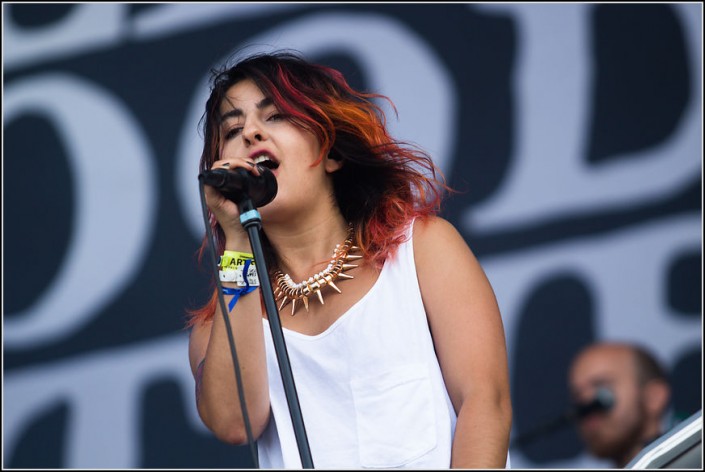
x=237, y=112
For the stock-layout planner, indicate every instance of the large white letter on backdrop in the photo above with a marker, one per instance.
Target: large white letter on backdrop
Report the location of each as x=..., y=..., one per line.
x=397, y=61
x=113, y=169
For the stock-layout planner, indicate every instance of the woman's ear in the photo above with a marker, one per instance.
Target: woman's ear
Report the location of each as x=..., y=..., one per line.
x=332, y=165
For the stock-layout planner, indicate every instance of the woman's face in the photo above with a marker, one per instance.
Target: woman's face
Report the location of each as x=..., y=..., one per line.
x=253, y=129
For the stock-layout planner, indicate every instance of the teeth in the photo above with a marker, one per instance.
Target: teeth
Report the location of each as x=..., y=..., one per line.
x=261, y=158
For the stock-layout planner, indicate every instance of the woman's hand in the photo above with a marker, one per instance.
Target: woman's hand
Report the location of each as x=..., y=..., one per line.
x=224, y=209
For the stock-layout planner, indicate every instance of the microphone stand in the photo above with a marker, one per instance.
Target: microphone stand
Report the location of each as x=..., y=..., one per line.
x=252, y=222
x=545, y=428
x=603, y=401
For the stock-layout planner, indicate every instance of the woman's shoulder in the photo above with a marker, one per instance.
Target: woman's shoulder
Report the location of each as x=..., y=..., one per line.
x=437, y=239
x=431, y=227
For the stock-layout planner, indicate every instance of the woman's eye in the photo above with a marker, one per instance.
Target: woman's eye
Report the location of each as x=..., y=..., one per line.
x=232, y=132
x=276, y=117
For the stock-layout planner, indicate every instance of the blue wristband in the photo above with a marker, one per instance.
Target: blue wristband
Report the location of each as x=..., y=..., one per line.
x=236, y=293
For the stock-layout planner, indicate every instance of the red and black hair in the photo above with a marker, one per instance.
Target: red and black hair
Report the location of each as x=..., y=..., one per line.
x=382, y=185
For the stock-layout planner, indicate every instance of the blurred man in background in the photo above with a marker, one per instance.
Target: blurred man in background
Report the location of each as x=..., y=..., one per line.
x=639, y=395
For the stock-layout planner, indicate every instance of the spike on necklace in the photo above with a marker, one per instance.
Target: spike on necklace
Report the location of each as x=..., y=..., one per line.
x=288, y=291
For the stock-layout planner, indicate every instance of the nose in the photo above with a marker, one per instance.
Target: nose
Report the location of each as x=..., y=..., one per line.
x=253, y=132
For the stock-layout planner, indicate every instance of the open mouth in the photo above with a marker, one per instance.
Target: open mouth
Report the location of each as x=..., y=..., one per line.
x=265, y=161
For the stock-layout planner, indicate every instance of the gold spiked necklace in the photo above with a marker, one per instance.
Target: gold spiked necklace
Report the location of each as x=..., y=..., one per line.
x=288, y=291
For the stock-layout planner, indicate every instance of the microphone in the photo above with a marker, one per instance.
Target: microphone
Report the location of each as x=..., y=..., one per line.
x=602, y=401
x=238, y=184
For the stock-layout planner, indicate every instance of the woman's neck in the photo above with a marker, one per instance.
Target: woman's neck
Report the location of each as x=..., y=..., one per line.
x=306, y=248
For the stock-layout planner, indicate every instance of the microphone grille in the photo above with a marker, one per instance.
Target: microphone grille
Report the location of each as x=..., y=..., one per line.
x=605, y=397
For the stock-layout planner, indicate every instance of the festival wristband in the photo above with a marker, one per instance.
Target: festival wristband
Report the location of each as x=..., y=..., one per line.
x=243, y=275
x=237, y=292
x=233, y=259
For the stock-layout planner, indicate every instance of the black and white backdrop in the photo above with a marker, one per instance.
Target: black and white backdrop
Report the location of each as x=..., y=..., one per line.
x=572, y=130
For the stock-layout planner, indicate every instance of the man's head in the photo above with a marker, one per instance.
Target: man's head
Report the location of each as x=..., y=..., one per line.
x=641, y=395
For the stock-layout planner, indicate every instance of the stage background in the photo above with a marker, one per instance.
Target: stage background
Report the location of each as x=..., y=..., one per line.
x=574, y=132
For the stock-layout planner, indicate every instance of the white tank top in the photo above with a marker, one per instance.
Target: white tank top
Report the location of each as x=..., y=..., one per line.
x=370, y=386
